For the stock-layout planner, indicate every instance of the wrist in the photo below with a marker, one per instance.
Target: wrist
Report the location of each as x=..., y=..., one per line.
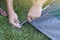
x=12, y=12
x=40, y=2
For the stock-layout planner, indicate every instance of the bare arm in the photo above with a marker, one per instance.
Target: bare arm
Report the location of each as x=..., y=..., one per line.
x=13, y=18
x=39, y=2
x=10, y=5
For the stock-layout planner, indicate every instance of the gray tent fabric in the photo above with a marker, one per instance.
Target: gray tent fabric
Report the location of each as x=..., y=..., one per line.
x=49, y=23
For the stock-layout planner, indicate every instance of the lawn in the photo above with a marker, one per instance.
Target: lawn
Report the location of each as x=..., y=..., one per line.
x=27, y=32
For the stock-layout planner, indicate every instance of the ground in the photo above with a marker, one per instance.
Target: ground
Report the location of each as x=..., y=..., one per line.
x=27, y=32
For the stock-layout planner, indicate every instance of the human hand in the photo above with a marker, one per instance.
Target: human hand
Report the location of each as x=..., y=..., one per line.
x=13, y=19
x=34, y=13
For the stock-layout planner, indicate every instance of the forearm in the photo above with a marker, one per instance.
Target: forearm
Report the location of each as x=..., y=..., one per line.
x=10, y=5
x=39, y=2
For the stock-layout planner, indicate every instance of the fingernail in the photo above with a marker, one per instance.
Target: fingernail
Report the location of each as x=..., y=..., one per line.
x=19, y=26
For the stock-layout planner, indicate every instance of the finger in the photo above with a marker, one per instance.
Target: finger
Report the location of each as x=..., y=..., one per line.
x=15, y=24
x=16, y=21
x=33, y=18
x=29, y=18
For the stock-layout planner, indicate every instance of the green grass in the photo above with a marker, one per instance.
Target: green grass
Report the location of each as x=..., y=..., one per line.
x=27, y=32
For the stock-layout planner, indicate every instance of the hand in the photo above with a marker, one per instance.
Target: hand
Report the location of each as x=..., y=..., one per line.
x=34, y=12
x=13, y=19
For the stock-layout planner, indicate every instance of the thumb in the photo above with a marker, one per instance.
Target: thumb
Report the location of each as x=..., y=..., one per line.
x=29, y=18
x=16, y=23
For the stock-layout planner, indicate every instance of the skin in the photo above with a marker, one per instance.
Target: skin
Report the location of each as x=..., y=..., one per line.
x=34, y=12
